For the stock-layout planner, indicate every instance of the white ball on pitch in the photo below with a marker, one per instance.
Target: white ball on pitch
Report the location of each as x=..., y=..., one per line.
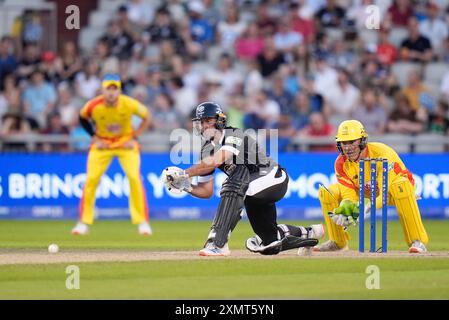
x=53, y=248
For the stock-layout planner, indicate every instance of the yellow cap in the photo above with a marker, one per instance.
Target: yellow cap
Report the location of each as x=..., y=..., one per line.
x=350, y=130
x=111, y=80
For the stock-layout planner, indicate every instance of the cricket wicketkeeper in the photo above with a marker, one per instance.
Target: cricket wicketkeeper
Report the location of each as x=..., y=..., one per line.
x=341, y=199
x=255, y=182
x=107, y=118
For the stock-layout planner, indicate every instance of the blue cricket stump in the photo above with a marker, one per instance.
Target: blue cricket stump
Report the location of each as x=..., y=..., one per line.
x=362, y=205
x=373, y=187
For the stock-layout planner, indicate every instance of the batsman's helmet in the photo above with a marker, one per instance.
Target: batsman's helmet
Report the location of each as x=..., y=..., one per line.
x=208, y=110
x=350, y=130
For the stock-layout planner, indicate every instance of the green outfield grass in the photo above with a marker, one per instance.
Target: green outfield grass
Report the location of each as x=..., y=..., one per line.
x=216, y=278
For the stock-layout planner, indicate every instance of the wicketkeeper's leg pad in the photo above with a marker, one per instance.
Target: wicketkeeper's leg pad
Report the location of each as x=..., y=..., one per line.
x=330, y=201
x=403, y=194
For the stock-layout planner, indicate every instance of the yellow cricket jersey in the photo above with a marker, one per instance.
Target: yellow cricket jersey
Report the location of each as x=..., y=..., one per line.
x=113, y=122
x=347, y=172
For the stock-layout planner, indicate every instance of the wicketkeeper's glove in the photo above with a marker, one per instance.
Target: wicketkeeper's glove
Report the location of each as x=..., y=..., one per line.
x=366, y=212
x=348, y=213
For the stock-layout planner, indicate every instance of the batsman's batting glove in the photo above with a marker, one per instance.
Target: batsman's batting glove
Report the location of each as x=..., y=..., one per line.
x=181, y=181
x=176, y=180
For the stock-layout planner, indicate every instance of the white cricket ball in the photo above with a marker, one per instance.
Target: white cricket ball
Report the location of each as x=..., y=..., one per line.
x=53, y=248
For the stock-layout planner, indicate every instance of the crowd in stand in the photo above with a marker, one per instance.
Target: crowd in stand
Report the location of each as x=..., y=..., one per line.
x=300, y=66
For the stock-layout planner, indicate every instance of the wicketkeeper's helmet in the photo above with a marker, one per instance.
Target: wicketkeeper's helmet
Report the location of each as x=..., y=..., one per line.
x=350, y=130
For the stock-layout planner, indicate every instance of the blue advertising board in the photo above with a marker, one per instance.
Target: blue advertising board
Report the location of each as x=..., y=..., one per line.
x=49, y=186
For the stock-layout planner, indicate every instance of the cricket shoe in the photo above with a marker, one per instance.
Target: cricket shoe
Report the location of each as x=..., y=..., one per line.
x=417, y=247
x=80, y=229
x=145, y=229
x=329, y=246
x=211, y=250
x=255, y=244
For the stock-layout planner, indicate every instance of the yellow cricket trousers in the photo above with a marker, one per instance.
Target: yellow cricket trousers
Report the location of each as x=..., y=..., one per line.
x=97, y=163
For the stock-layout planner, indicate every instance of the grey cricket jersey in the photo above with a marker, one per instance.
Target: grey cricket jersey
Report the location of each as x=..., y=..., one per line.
x=246, y=151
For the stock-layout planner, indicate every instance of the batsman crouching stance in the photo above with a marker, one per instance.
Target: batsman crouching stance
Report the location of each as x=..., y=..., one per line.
x=255, y=182
x=340, y=201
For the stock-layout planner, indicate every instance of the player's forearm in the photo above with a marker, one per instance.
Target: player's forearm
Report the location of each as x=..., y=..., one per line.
x=202, y=168
x=87, y=125
x=208, y=164
x=201, y=192
x=142, y=127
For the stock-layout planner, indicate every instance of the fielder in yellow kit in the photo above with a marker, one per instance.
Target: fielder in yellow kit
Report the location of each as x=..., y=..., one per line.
x=113, y=136
x=341, y=198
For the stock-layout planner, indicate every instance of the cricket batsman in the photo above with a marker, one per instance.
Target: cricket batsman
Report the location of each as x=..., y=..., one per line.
x=340, y=201
x=255, y=182
x=107, y=118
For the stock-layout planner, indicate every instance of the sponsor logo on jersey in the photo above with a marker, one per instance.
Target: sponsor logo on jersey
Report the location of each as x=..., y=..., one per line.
x=233, y=140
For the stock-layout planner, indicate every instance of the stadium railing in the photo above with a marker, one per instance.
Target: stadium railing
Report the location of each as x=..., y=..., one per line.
x=160, y=142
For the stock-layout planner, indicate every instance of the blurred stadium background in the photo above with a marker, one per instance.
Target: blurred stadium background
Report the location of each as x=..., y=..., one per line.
x=297, y=66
